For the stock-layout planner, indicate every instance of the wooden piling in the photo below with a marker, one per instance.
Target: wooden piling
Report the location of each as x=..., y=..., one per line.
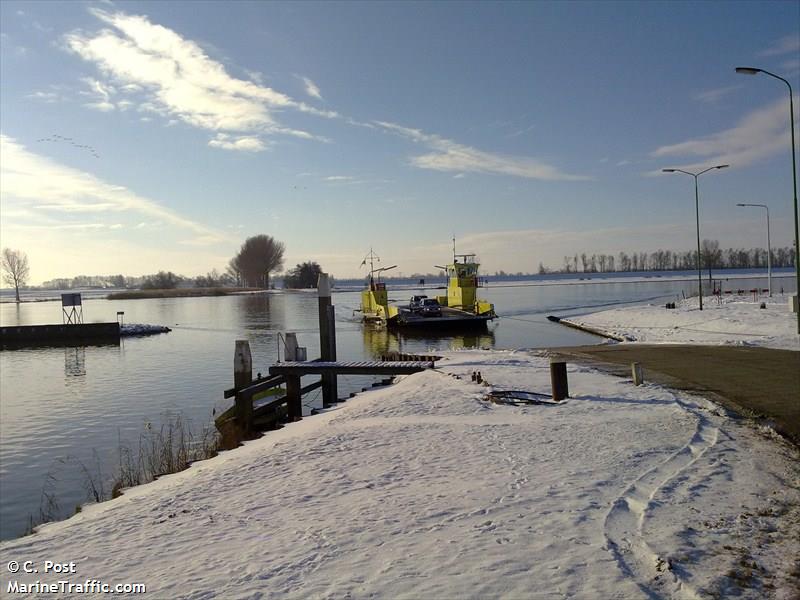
x=327, y=338
x=636, y=372
x=558, y=380
x=293, y=397
x=242, y=376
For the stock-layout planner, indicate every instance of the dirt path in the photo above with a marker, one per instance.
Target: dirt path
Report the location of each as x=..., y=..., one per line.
x=756, y=382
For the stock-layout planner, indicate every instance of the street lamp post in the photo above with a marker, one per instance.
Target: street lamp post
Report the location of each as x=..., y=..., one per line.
x=697, y=216
x=755, y=71
x=769, y=247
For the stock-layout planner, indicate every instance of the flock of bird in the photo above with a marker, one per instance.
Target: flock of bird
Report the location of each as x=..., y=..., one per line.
x=70, y=141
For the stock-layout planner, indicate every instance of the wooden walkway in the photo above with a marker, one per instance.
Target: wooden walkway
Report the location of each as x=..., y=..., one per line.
x=376, y=367
x=252, y=410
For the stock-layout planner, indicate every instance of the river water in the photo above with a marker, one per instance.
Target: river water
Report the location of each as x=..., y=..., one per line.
x=67, y=410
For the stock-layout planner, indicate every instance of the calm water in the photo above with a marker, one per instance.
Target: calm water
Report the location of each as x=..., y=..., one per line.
x=65, y=406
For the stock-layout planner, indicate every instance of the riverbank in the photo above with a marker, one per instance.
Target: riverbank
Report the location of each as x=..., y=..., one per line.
x=425, y=489
x=180, y=293
x=730, y=320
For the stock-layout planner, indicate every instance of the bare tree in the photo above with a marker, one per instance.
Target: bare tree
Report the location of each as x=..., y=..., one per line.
x=257, y=258
x=15, y=264
x=711, y=255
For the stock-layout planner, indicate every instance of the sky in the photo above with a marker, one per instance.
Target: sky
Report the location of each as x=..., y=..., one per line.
x=147, y=136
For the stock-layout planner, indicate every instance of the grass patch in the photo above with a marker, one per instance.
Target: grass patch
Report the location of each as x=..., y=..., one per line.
x=169, y=449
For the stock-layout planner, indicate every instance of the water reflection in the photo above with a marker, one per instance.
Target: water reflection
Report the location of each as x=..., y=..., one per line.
x=74, y=361
x=379, y=341
x=256, y=313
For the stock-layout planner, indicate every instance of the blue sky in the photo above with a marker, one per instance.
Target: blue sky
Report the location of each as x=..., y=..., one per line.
x=139, y=136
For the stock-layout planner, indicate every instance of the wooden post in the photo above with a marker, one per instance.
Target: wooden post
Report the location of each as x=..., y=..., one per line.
x=293, y=397
x=242, y=364
x=558, y=380
x=333, y=383
x=327, y=338
x=638, y=375
x=244, y=413
x=242, y=377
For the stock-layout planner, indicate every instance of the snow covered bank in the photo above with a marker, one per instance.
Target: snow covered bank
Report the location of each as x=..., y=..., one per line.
x=732, y=320
x=424, y=490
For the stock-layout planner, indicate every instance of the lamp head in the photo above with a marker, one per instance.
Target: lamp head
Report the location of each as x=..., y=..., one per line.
x=740, y=204
x=668, y=170
x=747, y=70
x=722, y=166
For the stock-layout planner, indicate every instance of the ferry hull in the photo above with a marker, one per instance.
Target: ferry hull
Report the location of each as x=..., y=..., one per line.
x=451, y=318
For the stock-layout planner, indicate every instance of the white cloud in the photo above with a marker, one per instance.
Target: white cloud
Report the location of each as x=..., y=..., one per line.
x=101, y=106
x=34, y=182
x=452, y=156
x=785, y=45
x=339, y=178
x=48, y=97
x=173, y=77
x=311, y=88
x=245, y=143
x=760, y=134
x=712, y=96
x=98, y=88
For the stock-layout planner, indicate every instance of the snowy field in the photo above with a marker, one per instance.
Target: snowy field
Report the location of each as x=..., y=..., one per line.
x=735, y=320
x=424, y=489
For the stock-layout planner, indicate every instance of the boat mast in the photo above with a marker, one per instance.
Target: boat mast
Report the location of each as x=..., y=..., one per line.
x=371, y=257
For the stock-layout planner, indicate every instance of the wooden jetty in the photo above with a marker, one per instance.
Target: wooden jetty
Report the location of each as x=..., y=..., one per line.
x=263, y=403
x=57, y=332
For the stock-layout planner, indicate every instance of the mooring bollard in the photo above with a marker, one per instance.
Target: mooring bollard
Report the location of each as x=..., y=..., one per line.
x=242, y=377
x=558, y=380
x=636, y=371
x=327, y=338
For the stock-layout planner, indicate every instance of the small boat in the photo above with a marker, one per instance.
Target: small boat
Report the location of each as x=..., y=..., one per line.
x=460, y=308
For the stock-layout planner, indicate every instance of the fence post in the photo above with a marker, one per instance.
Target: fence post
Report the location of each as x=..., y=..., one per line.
x=558, y=379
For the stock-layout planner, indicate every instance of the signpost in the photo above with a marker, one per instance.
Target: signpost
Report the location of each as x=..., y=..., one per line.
x=71, y=309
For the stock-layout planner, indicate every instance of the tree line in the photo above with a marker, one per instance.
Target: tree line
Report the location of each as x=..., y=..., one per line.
x=251, y=267
x=711, y=255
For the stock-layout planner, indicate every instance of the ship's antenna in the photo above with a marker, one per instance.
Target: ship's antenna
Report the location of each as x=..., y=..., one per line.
x=454, y=248
x=371, y=257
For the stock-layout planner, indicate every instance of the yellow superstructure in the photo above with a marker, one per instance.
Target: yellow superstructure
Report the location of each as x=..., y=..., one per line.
x=462, y=287
x=375, y=302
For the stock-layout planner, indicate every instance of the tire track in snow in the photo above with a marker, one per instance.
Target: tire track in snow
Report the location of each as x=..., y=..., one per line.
x=625, y=521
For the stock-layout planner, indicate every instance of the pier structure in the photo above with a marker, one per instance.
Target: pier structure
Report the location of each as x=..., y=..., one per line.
x=263, y=402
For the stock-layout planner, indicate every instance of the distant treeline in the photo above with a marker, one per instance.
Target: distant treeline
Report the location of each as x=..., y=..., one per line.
x=712, y=257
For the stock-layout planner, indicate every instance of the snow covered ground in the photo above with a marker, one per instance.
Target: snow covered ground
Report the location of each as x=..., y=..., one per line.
x=731, y=320
x=425, y=490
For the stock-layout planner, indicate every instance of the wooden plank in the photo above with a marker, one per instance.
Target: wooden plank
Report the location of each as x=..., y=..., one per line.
x=351, y=368
x=261, y=385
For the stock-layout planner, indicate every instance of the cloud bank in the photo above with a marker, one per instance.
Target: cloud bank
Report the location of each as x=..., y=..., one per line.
x=166, y=74
x=759, y=135
x=37, y=187
x=451, y=156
